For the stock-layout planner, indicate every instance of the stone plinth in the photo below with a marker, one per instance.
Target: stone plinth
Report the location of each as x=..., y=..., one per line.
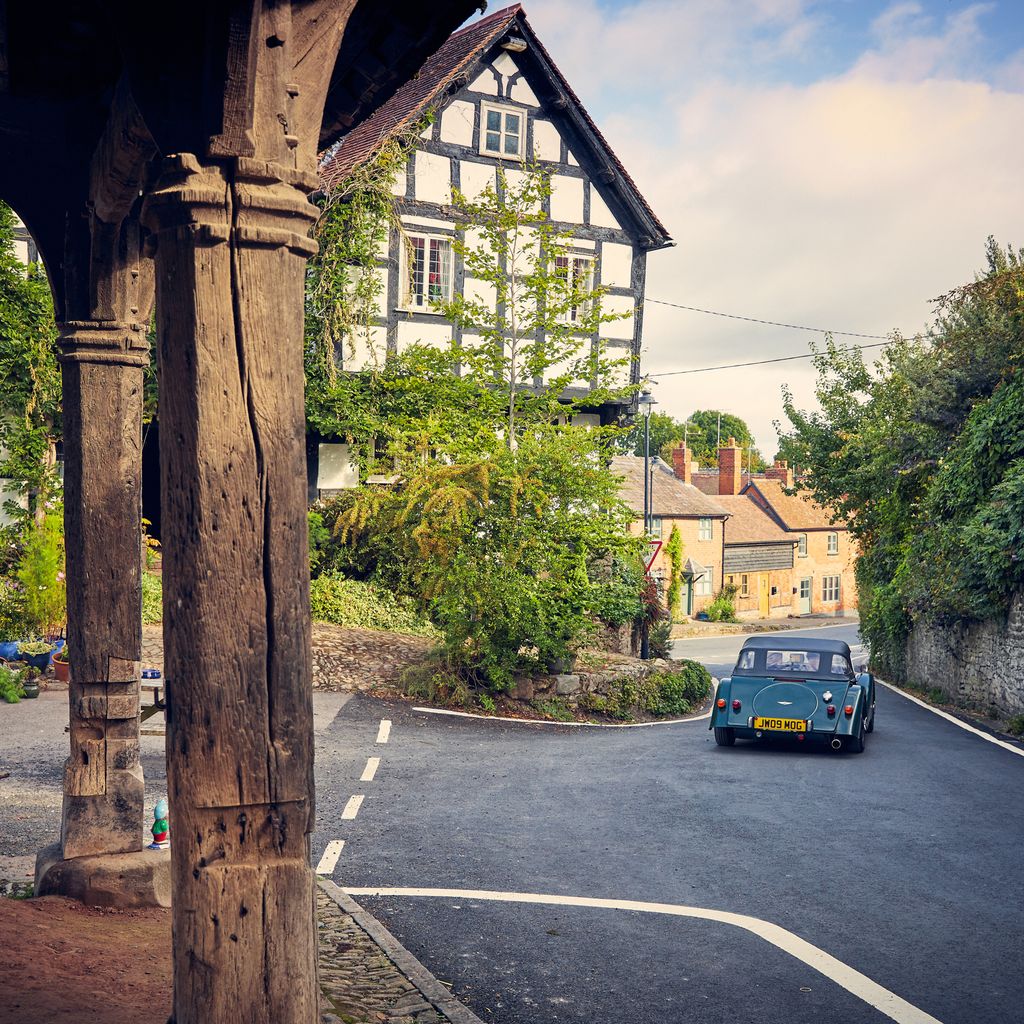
x=120, y=880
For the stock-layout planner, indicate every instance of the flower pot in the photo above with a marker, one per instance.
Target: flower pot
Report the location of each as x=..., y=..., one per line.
x=9, y=650
x=39, y=661
x=30, y=688
x=61, y=670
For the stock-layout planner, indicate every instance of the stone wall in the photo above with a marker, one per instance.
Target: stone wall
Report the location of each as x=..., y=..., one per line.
x=980, y=665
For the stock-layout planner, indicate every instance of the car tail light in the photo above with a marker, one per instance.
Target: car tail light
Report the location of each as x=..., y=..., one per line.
x=736, y=705
x=831, y=709
x=848, y=711
x=721, y=702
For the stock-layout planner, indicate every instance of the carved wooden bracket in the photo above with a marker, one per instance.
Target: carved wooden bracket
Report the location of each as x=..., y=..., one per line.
x=108, y=342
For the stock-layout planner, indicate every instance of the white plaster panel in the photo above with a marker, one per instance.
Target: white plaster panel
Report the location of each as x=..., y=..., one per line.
x=475, y=178
x=425, y=223
x=398, y=186
x=457, y=123
x=587, y=419
x=522, y=93
x=21, y=250
x=504, y=65
x=10, y=491
x=547, y=143
x=365, y=350
x=514, y=179
x=479, y=291
x=621, y=329
x=566, y=199
x=616, y=264
x=570, y=159
x=486, y=83
x=600, y=215
x=433, y=178
x=582, y=243
x=566, y=366
x=438, y=334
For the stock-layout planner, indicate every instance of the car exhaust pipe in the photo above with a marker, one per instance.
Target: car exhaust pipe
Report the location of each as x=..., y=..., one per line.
x=837, y=743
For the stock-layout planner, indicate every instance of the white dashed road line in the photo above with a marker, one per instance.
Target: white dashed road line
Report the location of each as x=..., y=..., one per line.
x=352, y=807
x=952, y=718
x=330, y=858
x=372, y=764
x=384, y=732
x=857, y=984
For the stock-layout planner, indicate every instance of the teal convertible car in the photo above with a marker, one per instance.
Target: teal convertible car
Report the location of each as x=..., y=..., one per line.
x=802, y=687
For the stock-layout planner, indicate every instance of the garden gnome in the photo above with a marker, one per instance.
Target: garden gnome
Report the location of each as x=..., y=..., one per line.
x=160, y=827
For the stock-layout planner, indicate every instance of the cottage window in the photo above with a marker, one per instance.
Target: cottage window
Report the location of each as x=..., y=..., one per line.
x=833, y=543
x=656, y=527
x=830, y=589
x=502, y=131
x=744, y=585
x=705, y=586
x=578, y=274
x=801, y=545
x=427, y=271
x=706, y=530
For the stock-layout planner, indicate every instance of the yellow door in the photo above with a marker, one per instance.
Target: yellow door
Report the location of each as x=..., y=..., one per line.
x=762, y=595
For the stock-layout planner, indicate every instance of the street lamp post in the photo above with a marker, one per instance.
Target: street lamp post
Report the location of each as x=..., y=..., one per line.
x=646, y=402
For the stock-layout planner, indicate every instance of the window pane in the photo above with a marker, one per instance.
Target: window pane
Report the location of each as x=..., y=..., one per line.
x=512, y=144
x=493, y=142
x=512, y=123
x=493, y=121
x=416, y=270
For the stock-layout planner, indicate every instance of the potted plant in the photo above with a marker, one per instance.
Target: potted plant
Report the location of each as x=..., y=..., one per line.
x=36, y=654
x=61, y=666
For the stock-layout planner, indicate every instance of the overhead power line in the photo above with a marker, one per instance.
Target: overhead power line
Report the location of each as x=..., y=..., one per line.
x=769, y=323
x=762, y=362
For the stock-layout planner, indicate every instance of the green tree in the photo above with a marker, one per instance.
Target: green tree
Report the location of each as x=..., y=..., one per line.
x=922, y=454
x=30, y=397
x=539, y=312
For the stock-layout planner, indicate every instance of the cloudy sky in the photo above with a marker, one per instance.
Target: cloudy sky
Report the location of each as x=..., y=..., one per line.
x=836, y=164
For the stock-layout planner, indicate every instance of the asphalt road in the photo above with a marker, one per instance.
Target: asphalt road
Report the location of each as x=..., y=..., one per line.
x=903, y=863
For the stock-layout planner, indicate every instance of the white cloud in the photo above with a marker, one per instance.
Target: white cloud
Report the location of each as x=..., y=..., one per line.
x=848, y=202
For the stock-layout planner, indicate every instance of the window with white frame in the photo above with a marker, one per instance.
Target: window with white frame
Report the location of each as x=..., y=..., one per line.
x=502, y=131
x=833, y=543
x=578, y=274
x=830, y=589
x=427, y=274
x=705, y=586
x=801, y=545
x=656, y=527
x=744, y=585
x=706, y=530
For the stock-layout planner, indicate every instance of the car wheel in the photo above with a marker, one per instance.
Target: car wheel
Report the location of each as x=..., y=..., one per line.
x=855, y=744
x=725, y=737
x=871, y=724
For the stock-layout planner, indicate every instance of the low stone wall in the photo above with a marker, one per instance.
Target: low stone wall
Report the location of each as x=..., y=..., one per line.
x=979, y=666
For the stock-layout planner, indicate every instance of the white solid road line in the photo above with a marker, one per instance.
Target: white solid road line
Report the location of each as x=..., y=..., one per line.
x=857, y=984
x=352, y=807
x=372, y=764
x=578, y=725
x=330, y=858
x=952, y=718
x=384, y=731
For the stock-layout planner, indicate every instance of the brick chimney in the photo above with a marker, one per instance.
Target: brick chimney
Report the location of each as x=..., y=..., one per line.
x=781, y=472
x=730, y=468
x=682, y=463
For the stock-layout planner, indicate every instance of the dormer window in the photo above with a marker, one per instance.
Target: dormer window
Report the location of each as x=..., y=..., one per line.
x=502, y=131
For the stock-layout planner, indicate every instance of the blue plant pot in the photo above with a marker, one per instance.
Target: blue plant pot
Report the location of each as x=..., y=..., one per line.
x=39, y=661
x=9, y=650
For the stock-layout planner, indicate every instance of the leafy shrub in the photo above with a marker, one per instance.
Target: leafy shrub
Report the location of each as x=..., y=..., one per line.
x=1015, y=726
x=554, y=708
x=487, y=703
x=723, y=609
x=616, y=593
x=435, y=682
x=152, y=598
x=659, y=639
x=346, y=602
x=41, y=575
x=678, y=692
x=11, y=689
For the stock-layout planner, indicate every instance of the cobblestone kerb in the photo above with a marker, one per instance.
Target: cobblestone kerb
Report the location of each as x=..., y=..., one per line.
x=369, y=977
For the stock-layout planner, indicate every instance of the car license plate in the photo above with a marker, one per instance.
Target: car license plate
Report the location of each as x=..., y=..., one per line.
x=781, y=724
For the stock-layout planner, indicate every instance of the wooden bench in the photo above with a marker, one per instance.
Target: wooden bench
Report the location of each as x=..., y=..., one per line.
x=158, y=703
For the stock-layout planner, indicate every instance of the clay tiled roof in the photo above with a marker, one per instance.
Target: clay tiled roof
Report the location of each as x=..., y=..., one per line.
x=749, y=523
x=672, y=498
x=440, y=71
x=795, y=511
